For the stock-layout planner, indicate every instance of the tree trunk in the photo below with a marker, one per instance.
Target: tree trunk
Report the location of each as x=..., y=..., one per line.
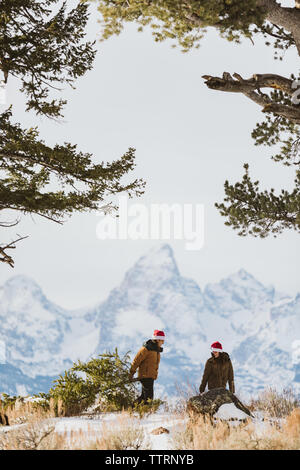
x=287, y=18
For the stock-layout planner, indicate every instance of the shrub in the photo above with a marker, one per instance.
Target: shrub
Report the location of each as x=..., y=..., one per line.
x=127, y=434
x=292, y=424
x=106, y=378
x=20, y=409
x=33, y=436
x=276, y=404
x=201, y=434
x=144, y=409
x=8, y=401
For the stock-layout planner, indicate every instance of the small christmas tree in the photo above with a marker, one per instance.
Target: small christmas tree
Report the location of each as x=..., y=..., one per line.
x=105, y=377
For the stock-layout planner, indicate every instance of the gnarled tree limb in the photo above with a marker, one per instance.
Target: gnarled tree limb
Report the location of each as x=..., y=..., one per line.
x=251, y=88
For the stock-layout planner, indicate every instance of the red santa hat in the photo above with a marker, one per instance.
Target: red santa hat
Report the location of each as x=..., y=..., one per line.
x=158, y=335
x=216, y=347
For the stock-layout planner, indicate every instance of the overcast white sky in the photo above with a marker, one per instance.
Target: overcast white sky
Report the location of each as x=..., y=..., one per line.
x=188, y=140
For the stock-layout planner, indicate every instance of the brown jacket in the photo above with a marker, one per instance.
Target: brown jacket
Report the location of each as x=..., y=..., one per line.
x=147, y=361
x=218, y=371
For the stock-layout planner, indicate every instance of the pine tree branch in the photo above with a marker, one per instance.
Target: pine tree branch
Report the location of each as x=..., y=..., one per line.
x=257, y=81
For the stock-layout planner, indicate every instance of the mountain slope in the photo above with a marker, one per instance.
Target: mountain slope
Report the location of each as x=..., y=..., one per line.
x=40, y=337
x=14, y=382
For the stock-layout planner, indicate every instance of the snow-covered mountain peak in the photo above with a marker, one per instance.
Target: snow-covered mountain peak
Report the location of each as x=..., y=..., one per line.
x=21, y=284
x=40, y=335
x=238, y=291
x=21, y=295
x=156, y=267
x=243, y=278
x=243, y=274
x=161, y=256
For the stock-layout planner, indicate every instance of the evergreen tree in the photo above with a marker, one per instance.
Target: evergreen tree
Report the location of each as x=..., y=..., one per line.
x=45, y=50
x=105, y=377
x=247, y=209
x=186, y=21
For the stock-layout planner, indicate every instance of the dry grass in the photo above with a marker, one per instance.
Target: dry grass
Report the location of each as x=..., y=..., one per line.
x=201, y=434
x=34, y=435
x=125, y=433
x=275, y=404
x=292, y=424
x=281, y=431
x=22, y=412
x=184, y=391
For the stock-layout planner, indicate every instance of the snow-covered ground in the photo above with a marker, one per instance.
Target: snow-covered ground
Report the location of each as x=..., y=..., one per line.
x=158, y=431
x=94, y=427
x=91, y=428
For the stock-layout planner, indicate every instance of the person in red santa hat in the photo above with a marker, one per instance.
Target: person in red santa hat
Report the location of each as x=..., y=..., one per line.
x=147, y=362
x=218, y=370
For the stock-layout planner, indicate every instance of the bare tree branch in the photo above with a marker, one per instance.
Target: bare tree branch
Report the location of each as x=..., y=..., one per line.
x=5, y=257
x=9, y=224
x=251, y=88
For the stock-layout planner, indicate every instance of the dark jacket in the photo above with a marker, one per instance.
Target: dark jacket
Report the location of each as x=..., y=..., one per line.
x=218, y=371
x=147, y=361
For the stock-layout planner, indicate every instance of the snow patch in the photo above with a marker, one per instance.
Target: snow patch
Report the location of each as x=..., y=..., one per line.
x=230, y=411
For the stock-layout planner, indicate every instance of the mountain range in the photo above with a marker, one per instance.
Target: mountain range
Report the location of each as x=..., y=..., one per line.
x=258, y=326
